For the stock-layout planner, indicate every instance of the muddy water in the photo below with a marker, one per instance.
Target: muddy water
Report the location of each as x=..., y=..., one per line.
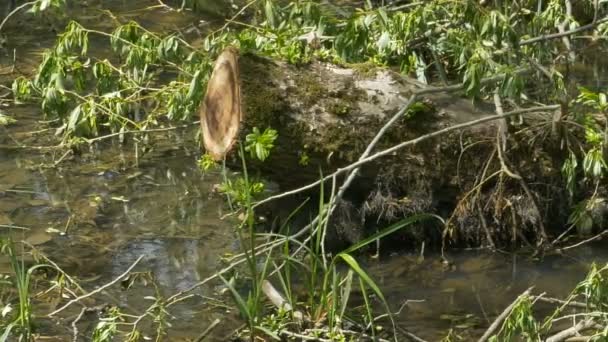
x=95, y=214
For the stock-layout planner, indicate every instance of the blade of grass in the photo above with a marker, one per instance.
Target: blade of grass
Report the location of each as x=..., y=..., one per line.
x=389, y=230
x=354, y=265
x=368, y=307
x=242, y=306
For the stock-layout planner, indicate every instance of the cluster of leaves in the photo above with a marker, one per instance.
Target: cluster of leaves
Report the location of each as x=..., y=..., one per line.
x=592, y=151
x=259, y=144
x=93, y=96
x=463, y=40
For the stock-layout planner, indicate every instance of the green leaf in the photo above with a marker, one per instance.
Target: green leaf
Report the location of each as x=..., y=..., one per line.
x=391, y=229
x=269, y=333
x=354, y=265
x=7, y=332
x=44, y=4
x=74, y=118
x=259, y=144
x=241, y=305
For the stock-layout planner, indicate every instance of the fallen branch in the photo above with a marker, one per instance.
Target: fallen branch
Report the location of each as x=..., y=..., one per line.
x=562, y=34
x=562, y=302
x=98, y=290
x=573, y=331
x=496, y=324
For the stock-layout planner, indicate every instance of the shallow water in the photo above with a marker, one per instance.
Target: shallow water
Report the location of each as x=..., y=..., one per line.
x=113, y=208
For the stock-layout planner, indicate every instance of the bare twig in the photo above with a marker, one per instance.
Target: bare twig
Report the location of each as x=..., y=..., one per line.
x=496, y=324
x=13, y=12
x=10, y=226
x=561, y=27
x=503, y=127
x=505, y=168
x=410, y=335
x=605, y=232
x=561, y=302
x=562, y=34
x=402, y=145
x=249, y=4
x=141, y=131
x=99, y=289
x=75, y=322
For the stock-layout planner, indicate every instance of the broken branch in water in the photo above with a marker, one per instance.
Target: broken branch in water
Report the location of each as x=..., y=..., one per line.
x=496, y=324
x=99, y=289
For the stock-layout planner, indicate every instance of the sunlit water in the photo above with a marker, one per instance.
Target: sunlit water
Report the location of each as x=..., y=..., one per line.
x=114, y=208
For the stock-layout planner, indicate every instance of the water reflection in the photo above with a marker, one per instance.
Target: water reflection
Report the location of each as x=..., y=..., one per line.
x=476, y=287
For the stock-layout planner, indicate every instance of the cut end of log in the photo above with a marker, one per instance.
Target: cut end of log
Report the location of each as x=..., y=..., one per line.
x=221, y=108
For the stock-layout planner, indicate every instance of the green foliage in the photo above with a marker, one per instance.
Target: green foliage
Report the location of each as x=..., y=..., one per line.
x=594, y=288
x=206, y=162
x=594, y=165
x=6, y=120
x=107, y=327
x=260, y=144
x=569, y=173
x=520, y=323
x=39, y=6
x=581, y=216
x=130, y=95
x=22, y=323
x=241, y=190
x=92, y=96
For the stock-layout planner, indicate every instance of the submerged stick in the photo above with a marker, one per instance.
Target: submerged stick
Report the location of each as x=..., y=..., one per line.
x=98, y=290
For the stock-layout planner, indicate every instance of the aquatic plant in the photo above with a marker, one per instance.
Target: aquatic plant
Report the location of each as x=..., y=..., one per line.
x=22, y=324
x=328, y=287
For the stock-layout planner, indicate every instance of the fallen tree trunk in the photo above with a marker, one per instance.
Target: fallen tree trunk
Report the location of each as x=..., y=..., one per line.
x=327, y=115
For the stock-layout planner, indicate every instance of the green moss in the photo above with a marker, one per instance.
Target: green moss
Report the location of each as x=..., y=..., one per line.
x=309, y=88
x=263, y=102
x=419, y=108
x=365, y=69
x=339, y=107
